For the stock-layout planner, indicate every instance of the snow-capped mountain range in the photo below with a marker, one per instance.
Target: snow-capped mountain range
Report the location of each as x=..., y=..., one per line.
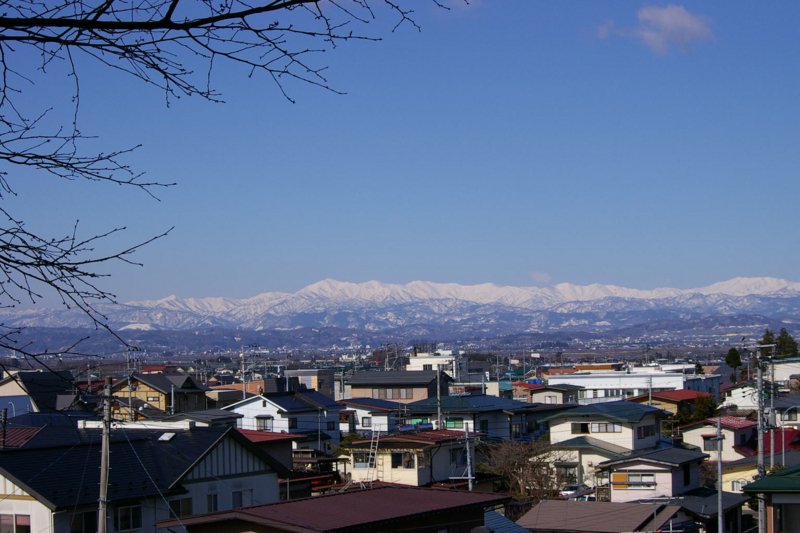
x=379, y=306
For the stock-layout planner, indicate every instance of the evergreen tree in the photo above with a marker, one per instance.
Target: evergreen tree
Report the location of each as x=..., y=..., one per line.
x=733, y=359
x=768, y=338
x=698, y=368
x=786, y=345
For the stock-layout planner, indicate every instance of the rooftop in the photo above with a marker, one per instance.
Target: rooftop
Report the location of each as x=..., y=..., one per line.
x=597, y=517
x=621, y=411
x=334, y=512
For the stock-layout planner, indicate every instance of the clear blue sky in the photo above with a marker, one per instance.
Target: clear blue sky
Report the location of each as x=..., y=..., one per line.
x=514, y=142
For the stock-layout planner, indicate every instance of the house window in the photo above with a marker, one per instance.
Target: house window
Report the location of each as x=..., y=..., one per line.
x=293, y=423
x=181, y=507
x=709, y=444
x=128, y=518
x=550, y=399
x=242, y=498
x=633, y=481
x=580, y=428
x=264, y=423
x=484, y=425
x=454, y=423
x=427, y=367
x=10, y=523
x=642, y=432
x=330, y=426
x=83, y=522
x=415, y=421
x=606, y=428
x=791, y=416
x=361, y=460
x=366, y=421
x=212, y=503
x=402, y=460
x=516, y=431
x=687, y=475
x=152, y=398
x=458, y=457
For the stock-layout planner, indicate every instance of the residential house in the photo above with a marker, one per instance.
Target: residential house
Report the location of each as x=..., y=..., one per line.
x=658, y=473
x=547, y=394
x=156, y=394
x=496, y=418
x=51, y=483
x=672, y=401
x=399, y=386
x=600, y=432
x=419, y=458
x=567, y=516
x=35, y=392
x=365, y=415
x=385, y=509
x=781, y=493
x=736, y=433
x=319, y=379
x=614, y=386
x=301, y=412
x=737, y=474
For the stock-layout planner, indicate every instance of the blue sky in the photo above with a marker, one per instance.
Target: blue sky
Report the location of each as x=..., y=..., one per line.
x=514, y=142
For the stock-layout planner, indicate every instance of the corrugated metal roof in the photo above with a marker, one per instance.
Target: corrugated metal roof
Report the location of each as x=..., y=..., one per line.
x=595, y=517
x=359, y=508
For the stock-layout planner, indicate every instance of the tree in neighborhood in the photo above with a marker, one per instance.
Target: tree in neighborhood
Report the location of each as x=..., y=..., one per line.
x=767, y=338
x=527, y=467
x=734, y=360
x=167, y=44
x=698, y=368
x=786, y=345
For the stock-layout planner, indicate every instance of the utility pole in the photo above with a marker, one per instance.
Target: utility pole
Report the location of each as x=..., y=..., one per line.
x=762, y=511
x=720, y=506
x=772, y=411
x=102, y=518
x=438, y=398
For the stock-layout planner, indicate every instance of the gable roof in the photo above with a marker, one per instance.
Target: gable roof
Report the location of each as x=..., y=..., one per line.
x=403, y=377
x=166, y=383
x=334, y=512
x=478, y=403
x=621, y=411
x=374, y=404
x=680, y=395
x=43, y=387
x=666, y=456
x=591, y=443
x=786, y=481
x=418, y=438
x=142, y=465
x=595, y=517
x=730, y=422
x=293, y=402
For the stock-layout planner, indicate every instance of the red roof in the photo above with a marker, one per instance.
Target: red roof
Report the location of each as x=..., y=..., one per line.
x=681, y=395
x=269, y=436
x=788, y=435
x=528, y=385
x=439, y=435
x=733, y=422
x=16, y=437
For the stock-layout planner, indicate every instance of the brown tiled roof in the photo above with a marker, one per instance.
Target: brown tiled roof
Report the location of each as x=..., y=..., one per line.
x=594, y=517
x=16, y=437
x=269, y=436
x=343, y=510
x=420, y=437
x=674, y=395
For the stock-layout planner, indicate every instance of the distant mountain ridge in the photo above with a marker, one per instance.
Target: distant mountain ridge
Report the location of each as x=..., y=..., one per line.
x=487, y=308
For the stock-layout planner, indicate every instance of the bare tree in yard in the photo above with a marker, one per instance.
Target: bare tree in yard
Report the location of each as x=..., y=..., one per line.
x=170, y=44
x=527, y=467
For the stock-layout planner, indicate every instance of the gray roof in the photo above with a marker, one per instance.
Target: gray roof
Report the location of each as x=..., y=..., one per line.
x=376, y=405
x=142, y=465
x=622, y=411
x=594, y=444
x=294, y=402
x=669, y=456
x=498, y=523
x=702, y=502
x=44, y=387
x=406, y=377
x=478, y=403
x=594, y=517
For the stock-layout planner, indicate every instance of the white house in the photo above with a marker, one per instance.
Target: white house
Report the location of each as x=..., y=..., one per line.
x=736, y=432
x=612, y=386
x=600, y=432
x=365, y=415
x=307, y=412
x=417, y=458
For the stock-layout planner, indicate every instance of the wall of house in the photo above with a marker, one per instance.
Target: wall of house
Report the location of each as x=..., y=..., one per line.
x=418, y=392
x=740, y=475
x=15, y=501
x=732, y=438
x=621, y=493
x=306, y=421
x=438, y=457
x=561, y=430
x=619, y=385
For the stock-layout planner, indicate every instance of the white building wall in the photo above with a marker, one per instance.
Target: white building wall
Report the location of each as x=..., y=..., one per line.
x=613, y=386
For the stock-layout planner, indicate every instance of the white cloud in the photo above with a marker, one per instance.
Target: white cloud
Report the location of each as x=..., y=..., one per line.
x=541, y=277
x=660, y=28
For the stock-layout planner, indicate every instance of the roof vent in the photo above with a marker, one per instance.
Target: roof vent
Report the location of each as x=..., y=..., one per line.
x=166, y=437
